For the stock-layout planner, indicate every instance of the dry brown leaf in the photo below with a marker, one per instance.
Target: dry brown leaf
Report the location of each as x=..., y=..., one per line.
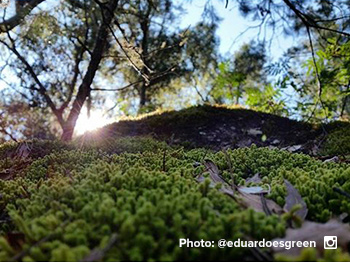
x=255, y=179
x=294, y=198
x=213, y=171
x=257, y=202
x=15, y=239
x=312, y=231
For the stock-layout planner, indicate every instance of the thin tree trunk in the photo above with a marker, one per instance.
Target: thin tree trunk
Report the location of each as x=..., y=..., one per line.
x=345, y=100
x=143, y=97
x=144, y=44
x=96, y=57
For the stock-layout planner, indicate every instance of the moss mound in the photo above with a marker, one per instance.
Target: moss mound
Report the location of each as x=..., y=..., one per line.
x=132, y=199
x=337, y=142
x=215, y=127
x=221, y=127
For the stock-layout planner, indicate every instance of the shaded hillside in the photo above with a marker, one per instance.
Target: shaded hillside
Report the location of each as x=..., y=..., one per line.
x=220, y=127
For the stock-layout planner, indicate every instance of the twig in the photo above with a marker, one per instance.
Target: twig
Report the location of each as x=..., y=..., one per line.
x=164, y=154
x=265, y=206
x=24, y=252
x=228, y=159
x=97, y=254
x=117, y=89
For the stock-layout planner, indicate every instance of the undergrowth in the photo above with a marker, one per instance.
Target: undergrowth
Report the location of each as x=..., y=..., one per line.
x=142, y=196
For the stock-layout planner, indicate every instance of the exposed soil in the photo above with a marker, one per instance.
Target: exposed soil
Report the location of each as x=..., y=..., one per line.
x=218, y=128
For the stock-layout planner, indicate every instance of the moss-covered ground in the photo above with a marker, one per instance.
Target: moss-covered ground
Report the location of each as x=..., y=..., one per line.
x=133, y=198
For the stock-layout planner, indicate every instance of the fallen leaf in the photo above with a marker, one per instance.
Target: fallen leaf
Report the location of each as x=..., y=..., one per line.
x=6, y=174
x=257, y=202
x=254, y=132
x=255, y=179
x=15, y=239
x=275, y=142
x=292, y=148
x=215, y=179
x=312, y=231
x=252, y=190
x=260, y=204
x=213, y=171
x=294, y=198
x=333, y=159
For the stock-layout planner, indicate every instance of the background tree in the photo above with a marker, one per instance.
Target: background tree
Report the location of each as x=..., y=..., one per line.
x=18, y=120
x=50, y=57
x=166, y=52
x=243, y=72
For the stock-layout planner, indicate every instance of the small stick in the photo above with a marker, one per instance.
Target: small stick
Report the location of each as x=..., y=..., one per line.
x=230, y=168
x=164, y=153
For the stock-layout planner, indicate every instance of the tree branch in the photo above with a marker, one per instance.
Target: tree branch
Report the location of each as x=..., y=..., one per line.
x=41, y=89
x=117, y=89
x=310, y=22
x=21, y=13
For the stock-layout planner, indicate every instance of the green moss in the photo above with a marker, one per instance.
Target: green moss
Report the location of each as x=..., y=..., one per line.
x=314, y=179
x=120, y=145
x=310, y=254
x=337, y=143
x=35, y=148
x=74, y=201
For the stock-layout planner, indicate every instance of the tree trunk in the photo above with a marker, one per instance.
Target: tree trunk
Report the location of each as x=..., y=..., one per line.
x=143, y=97
x=68, y=131
x=84, y=89
x=144, y=44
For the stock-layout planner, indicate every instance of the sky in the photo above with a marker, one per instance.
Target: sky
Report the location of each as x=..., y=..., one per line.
x=232, y=26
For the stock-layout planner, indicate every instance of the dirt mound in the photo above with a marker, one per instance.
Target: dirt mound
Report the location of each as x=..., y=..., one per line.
x=218, y=128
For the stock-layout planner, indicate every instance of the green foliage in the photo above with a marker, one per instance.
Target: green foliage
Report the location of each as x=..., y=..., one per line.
x=332, y=65
x=120, y=145
x=33, y=148
x=310, y=254
x=266, y=100
x=243, y=80
x=74, y=201
x=244, y=71
x=163, y=52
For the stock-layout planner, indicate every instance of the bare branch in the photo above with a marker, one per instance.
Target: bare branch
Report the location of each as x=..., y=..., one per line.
x=41, y=89
x=310, y=22
x=117, y=89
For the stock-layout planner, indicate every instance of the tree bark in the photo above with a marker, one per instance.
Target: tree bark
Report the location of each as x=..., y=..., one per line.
x=143, y=97
x=144, y=44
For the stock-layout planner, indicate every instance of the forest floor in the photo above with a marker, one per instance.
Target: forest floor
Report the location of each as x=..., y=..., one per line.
x=131, y=190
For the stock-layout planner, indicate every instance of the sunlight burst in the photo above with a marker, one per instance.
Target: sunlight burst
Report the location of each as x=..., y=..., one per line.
x=95, y=121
